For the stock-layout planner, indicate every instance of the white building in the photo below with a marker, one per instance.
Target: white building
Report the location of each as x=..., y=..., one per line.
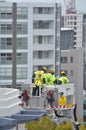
x=34, y=31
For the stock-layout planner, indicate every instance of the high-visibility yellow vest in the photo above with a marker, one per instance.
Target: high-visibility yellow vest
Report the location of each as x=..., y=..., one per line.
x=64, y=80
x=38, y=78
x=50, y=79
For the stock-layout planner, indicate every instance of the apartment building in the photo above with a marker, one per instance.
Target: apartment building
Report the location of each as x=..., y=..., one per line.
x=78, y=23
x=29, y=39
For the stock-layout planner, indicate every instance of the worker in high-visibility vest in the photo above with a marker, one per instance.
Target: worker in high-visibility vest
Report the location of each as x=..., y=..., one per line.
x=43, y=77
x=63, y=78
x=50, y=78
x=38, y=80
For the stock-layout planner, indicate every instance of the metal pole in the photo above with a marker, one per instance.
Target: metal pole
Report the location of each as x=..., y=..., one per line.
x=57, y=41
x=14, y=40
x=75, y=118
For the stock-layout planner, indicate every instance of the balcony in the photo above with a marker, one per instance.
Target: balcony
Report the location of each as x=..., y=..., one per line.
x=44, y=47
x=43, y=62
x=44, y=32
x=43, y=17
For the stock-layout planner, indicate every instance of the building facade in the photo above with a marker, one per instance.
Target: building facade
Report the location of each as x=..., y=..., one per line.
x=84, y=46
x=75, y=21
x=78, y=23
x=29, y=39
x=72, y=64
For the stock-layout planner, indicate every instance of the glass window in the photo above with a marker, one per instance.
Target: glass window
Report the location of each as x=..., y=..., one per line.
x=39, y=54
x=6, y=58
x=22, y=73
x=71, y=17
x=75, y=23
x=9, y=41
x=75, y=28
x=6, y=73
x=71, y=72
x=35, y=40
x=84, y=106
x=64, y=60
x=41, y=24
x=22, y=13
x=84, y=118
x=42, y=54
x=9, y=56
x=40, y=39
x=40, y=10
x=9, y=15
x=6, y=43
x=75, y=17
x=2, y=72
x=22, y=28
x=22, y=43
x=5, y=13
x=21, y=58
x=6, y=28
x=3, y=26
x=74, y=38
x=74, y=33
x=43, y=10
x=46, y=39
x=9, y=27
x=71, y=59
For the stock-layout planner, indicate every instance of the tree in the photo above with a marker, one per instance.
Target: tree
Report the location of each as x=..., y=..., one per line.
x=45, y=123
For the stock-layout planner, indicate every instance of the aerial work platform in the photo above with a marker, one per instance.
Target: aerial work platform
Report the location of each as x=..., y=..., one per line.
x=54, y=96
x=55, y=101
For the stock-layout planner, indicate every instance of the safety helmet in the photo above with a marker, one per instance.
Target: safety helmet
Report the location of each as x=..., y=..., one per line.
x=52, y=71
x=62, y=72
x=44, y=68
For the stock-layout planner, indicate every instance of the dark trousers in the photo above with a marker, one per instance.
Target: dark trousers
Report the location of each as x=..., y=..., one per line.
x=36, y=90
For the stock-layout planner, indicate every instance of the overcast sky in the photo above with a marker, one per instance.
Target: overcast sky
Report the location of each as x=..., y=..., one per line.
x=80, y=4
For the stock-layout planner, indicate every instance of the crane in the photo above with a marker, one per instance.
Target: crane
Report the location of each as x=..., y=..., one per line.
x=70, y=6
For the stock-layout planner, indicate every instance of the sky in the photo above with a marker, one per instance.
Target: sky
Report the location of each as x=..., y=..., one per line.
x=79, y=4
